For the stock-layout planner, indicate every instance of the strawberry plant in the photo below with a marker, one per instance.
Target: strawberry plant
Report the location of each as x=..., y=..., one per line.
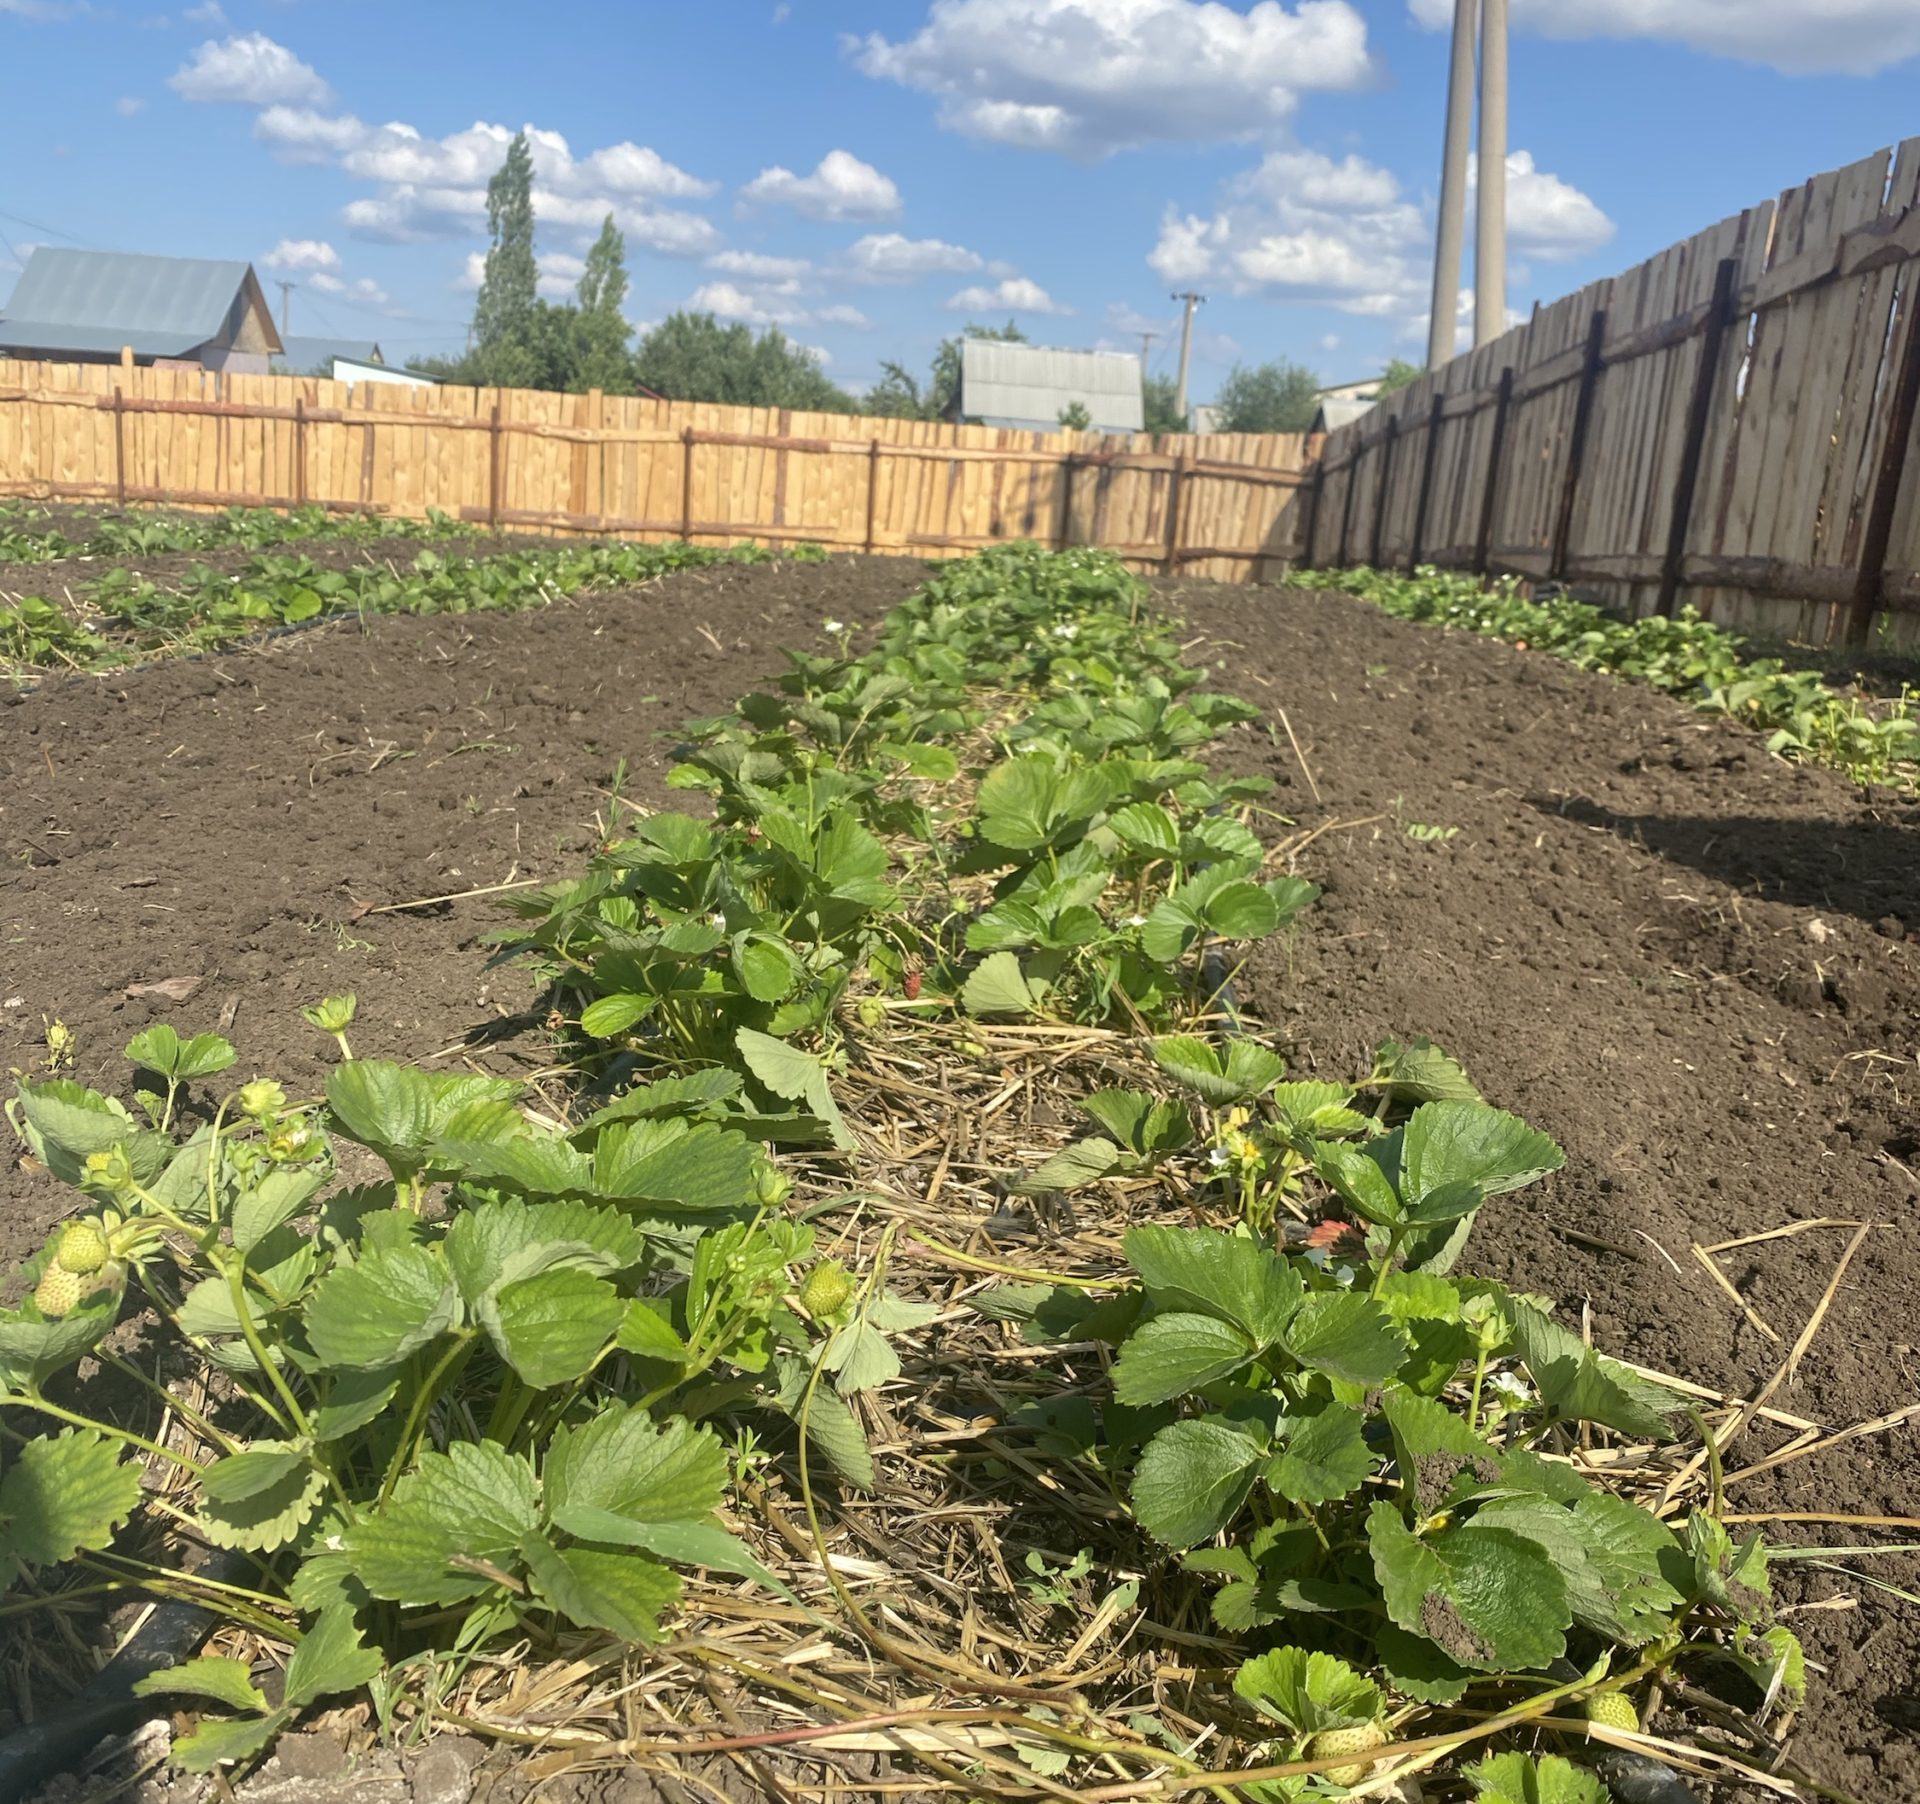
x=1804, y=717
x=472, y=1400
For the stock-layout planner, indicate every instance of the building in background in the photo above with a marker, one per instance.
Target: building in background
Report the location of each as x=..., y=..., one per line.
x=73, y=306
x=304, y=356
x=1024, y=385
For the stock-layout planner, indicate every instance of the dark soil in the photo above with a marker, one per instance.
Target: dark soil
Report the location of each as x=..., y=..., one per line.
x=231, y=820
x=1689, y=963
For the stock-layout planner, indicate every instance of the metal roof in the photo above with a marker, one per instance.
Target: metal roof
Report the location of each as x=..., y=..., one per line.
x=73, y=300
x=1024, y=385
x=1339, y=410
x=314, y=356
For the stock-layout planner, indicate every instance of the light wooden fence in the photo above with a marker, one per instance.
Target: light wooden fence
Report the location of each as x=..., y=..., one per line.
x=1727, y=424
x=1220, y=505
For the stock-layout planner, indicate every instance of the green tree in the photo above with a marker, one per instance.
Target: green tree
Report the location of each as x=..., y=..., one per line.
x=600, y=357
x=899, y=396
x=1074, y=417
x=1397, y=375
x=503, y=311
x=1268, y=397
x=1157, y=397
x=693, y=357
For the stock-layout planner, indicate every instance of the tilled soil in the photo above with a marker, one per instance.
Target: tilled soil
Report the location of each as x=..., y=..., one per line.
x=1689, y=963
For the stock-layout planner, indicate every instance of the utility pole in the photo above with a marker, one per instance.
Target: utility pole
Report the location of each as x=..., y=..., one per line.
x=286, y=293
x=1453, y=188
x=1146, y=346
x=1186, y=351
x=1490, y=210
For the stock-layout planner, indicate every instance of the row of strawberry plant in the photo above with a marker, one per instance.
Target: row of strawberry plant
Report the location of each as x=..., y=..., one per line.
x=995, y=810
x=36, y=535
x=1805, y=718
x=125, y=617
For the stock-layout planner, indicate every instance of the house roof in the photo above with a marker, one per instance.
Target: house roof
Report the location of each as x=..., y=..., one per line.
x=1339, y=410
x=74, y=300
x=314, y=356
x=1028, y=385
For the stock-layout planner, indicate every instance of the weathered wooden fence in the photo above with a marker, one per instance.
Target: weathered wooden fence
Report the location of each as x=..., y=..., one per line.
x=1221, y=505
x=1728, y=424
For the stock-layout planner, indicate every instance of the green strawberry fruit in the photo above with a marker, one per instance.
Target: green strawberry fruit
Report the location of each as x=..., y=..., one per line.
x=1361, y=1740
x=826, y=1288
x=82, y=1248
x=1614, y=1709
x=59, y=1290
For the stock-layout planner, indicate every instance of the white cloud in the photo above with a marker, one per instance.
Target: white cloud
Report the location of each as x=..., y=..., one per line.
x=891, y=257
x=302, y=253
x=840, y=187
x=560, y=273
x=1843, y=37
x=251, y=69
x=1129, y=320
x=44, y=12
x=363, y=290
x=1547, y=217
x=726, y=300
x=755, y=267
x=1013, y=294
x=1089, y=77
x=128, y=105
x=839, y=314
x=437, y=187
x=1304, y=226
x=208, y=12
x=1330, y=341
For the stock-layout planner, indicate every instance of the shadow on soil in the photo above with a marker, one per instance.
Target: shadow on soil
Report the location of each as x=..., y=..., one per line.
x=1869, y=869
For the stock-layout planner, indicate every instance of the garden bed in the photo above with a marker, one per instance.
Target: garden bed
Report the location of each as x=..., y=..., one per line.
x=1688, y=963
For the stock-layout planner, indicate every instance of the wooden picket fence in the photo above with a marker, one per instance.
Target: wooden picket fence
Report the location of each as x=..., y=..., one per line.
x=1727, y=424
x=1220, y=506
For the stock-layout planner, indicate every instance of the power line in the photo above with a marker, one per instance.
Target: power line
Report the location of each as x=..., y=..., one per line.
x=35, y=225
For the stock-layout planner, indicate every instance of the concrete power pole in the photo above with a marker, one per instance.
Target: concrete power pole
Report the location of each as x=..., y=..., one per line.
x=1490, y=211
x=286, y=294
x=1453, y=187
x=1146, y=348
x=1186, y=351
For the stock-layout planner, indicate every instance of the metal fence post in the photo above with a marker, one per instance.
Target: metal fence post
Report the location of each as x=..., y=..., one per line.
x=1576, y=447
x=686, y=485
x=1877, y=533
x=1426, y=483
x=1502, y=406
x=873, y=489
x=119, y=447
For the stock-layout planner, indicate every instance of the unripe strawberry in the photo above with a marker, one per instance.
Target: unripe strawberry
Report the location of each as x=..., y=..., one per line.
x=1613, y=1709
x=82, y=1248
x=826, y=1288
x=59, y=1290
x=1360, y=1740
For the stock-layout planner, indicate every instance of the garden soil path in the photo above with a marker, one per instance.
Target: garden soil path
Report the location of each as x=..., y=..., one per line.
x=1689, y=963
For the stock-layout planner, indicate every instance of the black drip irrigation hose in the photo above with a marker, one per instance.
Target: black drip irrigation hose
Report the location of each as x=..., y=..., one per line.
x=107, y=1706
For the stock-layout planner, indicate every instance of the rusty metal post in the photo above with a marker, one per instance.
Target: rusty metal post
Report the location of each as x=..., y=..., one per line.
x=299, y=450
x=1386, y=489
x=119, y=447
x=1576, y=447
x=1426, y=483
x=1176, y=494
x=1877, y=533
x=686, y=485
x=1502, y=406
x=493, y=469
x=1699, y=409
x=873, y=489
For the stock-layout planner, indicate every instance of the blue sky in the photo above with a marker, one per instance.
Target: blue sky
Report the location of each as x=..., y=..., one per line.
x=871, y=176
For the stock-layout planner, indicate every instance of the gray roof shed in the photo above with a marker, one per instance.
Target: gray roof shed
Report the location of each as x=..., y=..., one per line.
x=314, y=356
x=1026, y=385
x=93, y=302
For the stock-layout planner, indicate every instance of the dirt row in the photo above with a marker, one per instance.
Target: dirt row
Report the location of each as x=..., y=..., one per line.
x=1692, y=965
